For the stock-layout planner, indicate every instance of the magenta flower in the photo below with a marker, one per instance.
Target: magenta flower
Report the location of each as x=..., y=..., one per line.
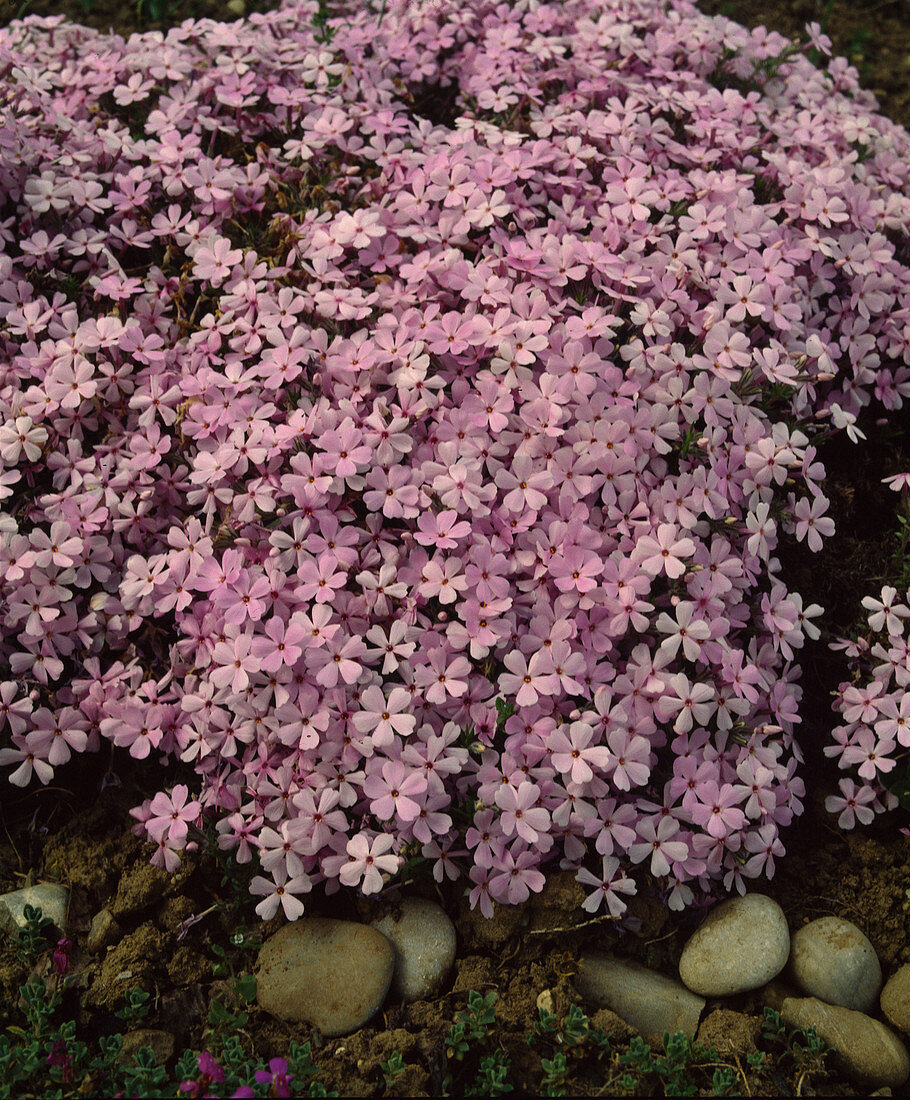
x=277, y=1077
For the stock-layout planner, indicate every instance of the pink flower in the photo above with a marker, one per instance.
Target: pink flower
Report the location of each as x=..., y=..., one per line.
x=521, y=812
x=368, y=860
x=280, y=890
x=658, y=843
x=870, y=752
x=214, y=264
x=395, y=792
x=853, y=804
x=282, y=645
x=516, y=877
x=442, y=676
x=528, y=680
x=607, y=887
x=382, y=719
x=717, y=809
x=234, y=663
x=172, y=814
x=574, y=755
x=664, y=553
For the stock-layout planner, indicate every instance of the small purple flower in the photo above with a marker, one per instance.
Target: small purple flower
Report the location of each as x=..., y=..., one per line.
x=277, y=1076
x=61, y=955
x=209, y=1072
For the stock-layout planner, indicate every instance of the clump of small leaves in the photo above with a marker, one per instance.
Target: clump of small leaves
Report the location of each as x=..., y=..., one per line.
x=799, y=1050
x=392, y=1068
x=32, y=940
x=471, y=1029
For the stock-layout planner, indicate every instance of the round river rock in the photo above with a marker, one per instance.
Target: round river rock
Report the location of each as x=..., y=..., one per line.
x=895, y=1000
x=831, y=959
x=424, y=942
x=332, y=974
x=742, y=944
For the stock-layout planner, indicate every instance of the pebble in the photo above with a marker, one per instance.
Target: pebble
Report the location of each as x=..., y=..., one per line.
x=652, y=1003
x=869, y=1052
x=895, y=999
x=332, y=974
x=831, y=959
x=424, y=942
x=49, y=897
x=742, y=944
x=104, y=931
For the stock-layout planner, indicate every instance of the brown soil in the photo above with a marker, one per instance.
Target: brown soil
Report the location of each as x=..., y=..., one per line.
x=78, y=833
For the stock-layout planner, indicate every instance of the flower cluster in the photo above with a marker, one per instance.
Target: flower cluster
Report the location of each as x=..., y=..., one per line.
x=399, y=421
x=875, y=733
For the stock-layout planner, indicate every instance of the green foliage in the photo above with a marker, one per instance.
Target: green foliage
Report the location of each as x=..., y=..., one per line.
x=555, y=1070
x=301, y=1064
x=473, y=1026
x=136, y=1007
x=392, y=1068
x=673, y=1070
x=32, y=940
x=801, y=1050
x=491, y=1076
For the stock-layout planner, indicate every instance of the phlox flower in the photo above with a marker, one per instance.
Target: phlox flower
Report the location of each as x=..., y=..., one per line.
x=521, y=812
x=854, y=803
x=367, y=861
x=607, y=887
x=442, y=676
x=383, y=718
x=665, y=552
x=29, y=756
x=870, y=752
x=282, y=644
x=213, y=262
x=657, y=843
x=885, y=613
x=717, y=809
x=526, y=680
x=21, y=436
x=516, y=877
x=280, y=890
x=574, y=755
x=171, y=815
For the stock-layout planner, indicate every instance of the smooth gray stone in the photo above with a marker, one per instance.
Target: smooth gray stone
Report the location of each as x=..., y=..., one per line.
x=650, y=1002
x=49, y=897
x=895, y=999
x=831, y=959
x=868, y=1051
x=424, y=940
x=742, y=944
x=332, y=974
